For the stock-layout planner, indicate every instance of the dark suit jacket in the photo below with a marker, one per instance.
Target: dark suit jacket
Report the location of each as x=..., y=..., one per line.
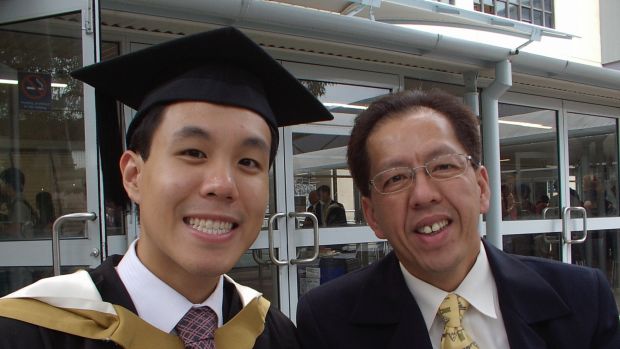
x=545, y=304
x=279, y=330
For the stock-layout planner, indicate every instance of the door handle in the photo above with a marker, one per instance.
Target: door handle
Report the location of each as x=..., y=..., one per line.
x=272, y=250
x=566, y=233
x=315, y=228
x=83, y=216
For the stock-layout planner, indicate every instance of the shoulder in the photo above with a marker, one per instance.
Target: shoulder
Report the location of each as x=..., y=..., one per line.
x=279, y=332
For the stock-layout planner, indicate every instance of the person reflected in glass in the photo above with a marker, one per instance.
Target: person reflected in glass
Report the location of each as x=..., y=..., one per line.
x=46, y=214
x=415, y=158
x=20, y=216
x=332, y=212
x=526, y=207
x=314, y=207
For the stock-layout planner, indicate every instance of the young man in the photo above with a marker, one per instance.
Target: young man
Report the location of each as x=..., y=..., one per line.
x=415, y=158
x=197, y=164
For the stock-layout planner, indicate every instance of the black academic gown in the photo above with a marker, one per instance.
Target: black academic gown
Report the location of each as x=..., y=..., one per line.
x=279, y=331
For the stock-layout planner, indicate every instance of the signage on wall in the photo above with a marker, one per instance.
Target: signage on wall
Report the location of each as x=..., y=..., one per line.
x=35, y=91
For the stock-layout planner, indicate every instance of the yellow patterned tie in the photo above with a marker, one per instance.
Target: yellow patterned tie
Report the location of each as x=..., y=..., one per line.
x=454, y=336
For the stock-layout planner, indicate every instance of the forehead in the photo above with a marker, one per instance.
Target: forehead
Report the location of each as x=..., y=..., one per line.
x=422, y=132
x=215, y=118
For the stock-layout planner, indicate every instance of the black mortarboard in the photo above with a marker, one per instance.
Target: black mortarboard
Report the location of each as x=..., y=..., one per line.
x=221, y=66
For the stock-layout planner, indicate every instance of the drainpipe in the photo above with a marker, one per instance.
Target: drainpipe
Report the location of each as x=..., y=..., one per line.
x=490, y=137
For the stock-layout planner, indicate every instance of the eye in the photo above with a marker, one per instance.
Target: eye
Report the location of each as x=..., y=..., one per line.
x=395, y=179
x=249, y=163
x=444, y=167
x=194, y=153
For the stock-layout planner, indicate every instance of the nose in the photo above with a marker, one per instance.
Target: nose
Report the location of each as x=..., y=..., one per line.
x=424, y=190
x=219, y=182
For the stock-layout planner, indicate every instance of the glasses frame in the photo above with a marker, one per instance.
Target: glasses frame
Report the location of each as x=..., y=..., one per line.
x=413, y=170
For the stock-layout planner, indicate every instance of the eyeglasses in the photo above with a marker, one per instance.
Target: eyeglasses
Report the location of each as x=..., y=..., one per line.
x=441, y=168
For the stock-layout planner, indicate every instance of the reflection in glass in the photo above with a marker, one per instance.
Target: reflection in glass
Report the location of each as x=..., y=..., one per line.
x=528, y=162
x=14, y=278
x=255, y=270
x=546, y=245
x=593, y=166
x=323, y=184
x=337, y=260
x=41, y=128
x=601, y=251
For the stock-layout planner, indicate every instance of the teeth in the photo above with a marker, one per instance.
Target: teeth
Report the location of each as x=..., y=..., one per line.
x=435, y=227
x=209, y=226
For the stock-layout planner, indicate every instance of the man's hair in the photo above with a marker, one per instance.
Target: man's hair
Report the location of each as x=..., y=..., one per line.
x=13, y=177
x=324, y=189
x=142, y=136
x=464, y=122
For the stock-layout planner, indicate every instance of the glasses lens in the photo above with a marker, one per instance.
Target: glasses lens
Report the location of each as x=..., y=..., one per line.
x=393, y=180
x=447, y=166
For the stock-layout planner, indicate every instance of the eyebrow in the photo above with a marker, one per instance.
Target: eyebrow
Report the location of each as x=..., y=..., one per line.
x=197, y=132
x=441, y=150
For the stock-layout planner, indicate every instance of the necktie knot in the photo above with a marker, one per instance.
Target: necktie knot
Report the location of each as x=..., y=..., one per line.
x=451, y=312
x=196, y=329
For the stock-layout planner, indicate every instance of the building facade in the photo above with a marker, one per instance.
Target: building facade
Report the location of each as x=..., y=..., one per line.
x=537, y=72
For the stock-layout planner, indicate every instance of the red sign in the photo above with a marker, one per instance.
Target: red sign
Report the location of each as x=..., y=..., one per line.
x=35, y=91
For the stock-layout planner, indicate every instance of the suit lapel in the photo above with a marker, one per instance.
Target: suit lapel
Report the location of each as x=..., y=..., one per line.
x=525, y=299
x=385, y=300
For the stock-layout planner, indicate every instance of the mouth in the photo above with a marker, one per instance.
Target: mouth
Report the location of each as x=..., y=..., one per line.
x=210, y=226
x=430, y=229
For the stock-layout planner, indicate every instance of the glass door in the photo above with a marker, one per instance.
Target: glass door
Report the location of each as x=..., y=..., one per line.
x=325, y=229
x=48, y=162
x=559, y=189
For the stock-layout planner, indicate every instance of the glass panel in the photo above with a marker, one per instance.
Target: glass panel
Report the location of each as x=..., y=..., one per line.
x=537, y=4
x=255, y=270
x=513, y=11
x=549, y=20
x=593, y=166
x=545, y=245
x=538, y=17
x=319, y=160
x=42, y=150
x=601, y=251
x=526, y=3
x=337, y=260
x=548, y=5
x=320, y=164
x=13, y=278
x=528, y=162
x=500, y=7
x=526, y=14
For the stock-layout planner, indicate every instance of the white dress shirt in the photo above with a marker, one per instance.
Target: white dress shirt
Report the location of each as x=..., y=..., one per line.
x=483, y=320
x=156, y=302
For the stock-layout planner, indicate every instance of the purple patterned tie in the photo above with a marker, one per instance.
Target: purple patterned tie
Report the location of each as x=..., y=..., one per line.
x=196, y=329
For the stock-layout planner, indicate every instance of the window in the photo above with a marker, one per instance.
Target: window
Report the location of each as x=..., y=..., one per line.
x=538, y=12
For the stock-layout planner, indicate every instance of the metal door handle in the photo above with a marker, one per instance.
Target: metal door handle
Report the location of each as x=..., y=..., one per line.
x=566, y=233
x=272, y=250
x=83, y=216
x=315, y=227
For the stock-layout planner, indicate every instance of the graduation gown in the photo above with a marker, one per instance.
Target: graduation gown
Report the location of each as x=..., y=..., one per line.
x=279, y=332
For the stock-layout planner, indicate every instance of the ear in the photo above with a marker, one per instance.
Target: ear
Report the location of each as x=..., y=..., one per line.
x=369, y=215
x=131, y=168
x=482, y=178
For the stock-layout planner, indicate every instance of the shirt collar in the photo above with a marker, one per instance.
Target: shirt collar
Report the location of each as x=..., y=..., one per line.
x=156, y=302
x=478, y=288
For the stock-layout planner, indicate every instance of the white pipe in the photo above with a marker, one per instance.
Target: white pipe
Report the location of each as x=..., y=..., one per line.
x=490, y=127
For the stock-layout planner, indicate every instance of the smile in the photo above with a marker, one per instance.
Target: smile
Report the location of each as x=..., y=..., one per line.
x=433, y=228
x=209, y=226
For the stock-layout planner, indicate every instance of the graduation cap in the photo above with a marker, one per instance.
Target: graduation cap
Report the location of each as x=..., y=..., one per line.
x=221, y=66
